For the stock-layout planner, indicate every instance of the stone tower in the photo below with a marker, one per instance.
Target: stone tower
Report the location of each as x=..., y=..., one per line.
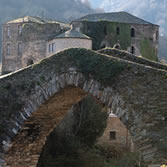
x=25, y=41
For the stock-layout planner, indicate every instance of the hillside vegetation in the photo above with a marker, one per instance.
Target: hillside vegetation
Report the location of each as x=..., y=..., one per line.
x=73, y=142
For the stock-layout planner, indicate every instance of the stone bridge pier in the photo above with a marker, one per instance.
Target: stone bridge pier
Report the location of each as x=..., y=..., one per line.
x=33, y=100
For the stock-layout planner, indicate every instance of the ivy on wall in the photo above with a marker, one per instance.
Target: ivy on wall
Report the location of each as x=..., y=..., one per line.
x=101, y=30
x=147, y=51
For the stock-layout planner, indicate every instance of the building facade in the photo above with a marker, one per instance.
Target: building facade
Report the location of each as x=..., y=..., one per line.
x=25, y=41
x=121, y=30
x=116, y=134
x=69, y=39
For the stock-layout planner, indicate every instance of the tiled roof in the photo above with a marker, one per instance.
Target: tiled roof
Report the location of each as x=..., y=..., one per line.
x=120, y=17
x=72, y=34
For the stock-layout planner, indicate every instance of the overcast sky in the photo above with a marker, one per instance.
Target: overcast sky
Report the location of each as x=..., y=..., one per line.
x=150, y=10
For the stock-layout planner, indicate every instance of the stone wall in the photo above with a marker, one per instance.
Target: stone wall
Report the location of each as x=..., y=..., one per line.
x=33, y=40
x=122, y=136
x=104, y=34
x=136, y=94
x=34, y=51
x=130, y=57
x=65, y=43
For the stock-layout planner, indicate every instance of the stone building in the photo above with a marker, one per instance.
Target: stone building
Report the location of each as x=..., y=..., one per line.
x=25, y=41
x=29, y=39
x=121, y=30
x=116, y=134
x=69, y=39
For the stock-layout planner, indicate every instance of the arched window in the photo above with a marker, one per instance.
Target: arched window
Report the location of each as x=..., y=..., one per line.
x=132, y=50
x=118, y=30
x=117, y=46
x=19, y=48
x=103, y=46
x=132, y=32
x=30, y=62
x=105, y=30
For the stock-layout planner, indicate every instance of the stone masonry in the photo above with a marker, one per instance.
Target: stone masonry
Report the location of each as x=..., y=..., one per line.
x=135, y=92
x=25, y=39
x=121, y=30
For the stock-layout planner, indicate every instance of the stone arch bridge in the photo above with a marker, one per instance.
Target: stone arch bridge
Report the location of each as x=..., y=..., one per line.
x=33, y=100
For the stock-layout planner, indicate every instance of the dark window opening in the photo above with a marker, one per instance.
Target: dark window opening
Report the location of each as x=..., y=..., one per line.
x=30, y=62
x=132, y=32
x=117, y=47
x=103, y=46
x=112, y=135
x=157, y=35
x=105, y=30
x=88, y=28
x=118, y=30
x=132, y=50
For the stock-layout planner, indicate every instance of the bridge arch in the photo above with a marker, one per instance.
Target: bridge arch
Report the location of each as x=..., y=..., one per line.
x=124, y=86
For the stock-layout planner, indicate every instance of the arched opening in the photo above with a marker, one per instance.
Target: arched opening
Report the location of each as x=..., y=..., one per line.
x=132, y=32
x=41, y=85
x=32, y=136
x=82, y=123
x=118, y=30
x=117, y=46
x=28, y=145
x=132, y=50
x=102, y=46
x=30, y=62
x=105, y=30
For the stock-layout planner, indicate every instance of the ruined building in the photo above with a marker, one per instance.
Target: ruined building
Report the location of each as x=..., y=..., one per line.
x=121, y=30
x=30, y=39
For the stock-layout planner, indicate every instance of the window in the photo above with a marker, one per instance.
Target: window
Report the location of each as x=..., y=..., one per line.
x=132, y=50
x=118, y=30
x=103, y=46
x=112, y=135
x=157, y=35
x=51, y=48
x=19, y=48
x=8, y=32
x=30, y=62
x=105, y=30
x=20, y=29
x=8, y=49
x=132, y=32
x=117, y=46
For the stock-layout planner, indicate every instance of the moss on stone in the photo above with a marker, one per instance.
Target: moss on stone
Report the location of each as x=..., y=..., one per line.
x=97, y=30
x=124, y=36
x=147, y=50
x=102, y=68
